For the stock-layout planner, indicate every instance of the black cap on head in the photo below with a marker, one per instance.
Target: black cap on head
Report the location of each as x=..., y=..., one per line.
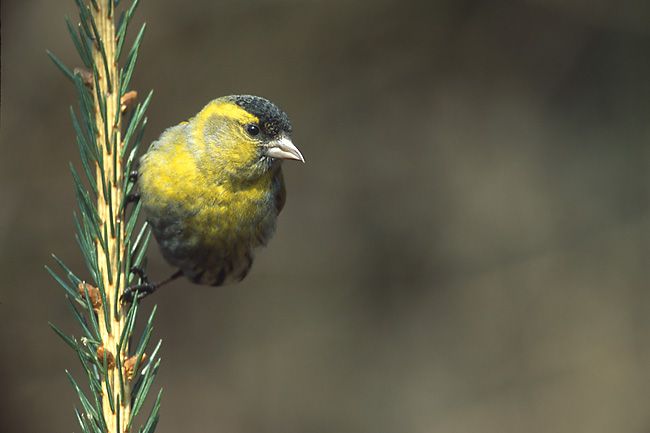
x=273, y=121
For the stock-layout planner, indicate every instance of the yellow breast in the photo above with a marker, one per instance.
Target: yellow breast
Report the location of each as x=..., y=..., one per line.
x=212, y=208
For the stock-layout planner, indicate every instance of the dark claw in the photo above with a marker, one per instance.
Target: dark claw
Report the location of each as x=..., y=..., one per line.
x=139, y=272
x=133, y=176
x=137, y=292
x=132, y=198
x=146, y=287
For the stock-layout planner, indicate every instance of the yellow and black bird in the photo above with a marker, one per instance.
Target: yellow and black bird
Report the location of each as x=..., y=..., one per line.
x=212, y=188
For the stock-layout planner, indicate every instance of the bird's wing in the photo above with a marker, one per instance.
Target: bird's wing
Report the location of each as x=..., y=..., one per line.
x=280, y=195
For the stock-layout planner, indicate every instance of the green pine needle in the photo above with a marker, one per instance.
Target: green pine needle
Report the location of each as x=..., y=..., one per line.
x=68, y=340
x=144, y=339
x=131, y=60
x=59, y=64
x=130, y=323
x=132, y=220
x=88, y=334
x=89, y=149
x=93, y=377
x=143, y=250
x=137, y=118
x=84, y=17
x=85, y=55
x=84, y=200
x=124, y=22
x=71, y=276
x=62, y=283
x=143, y=390
x=88, y=407
x=139, y=237
x=152, y=420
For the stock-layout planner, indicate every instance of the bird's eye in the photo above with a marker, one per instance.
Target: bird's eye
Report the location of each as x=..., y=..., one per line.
x=252, y=129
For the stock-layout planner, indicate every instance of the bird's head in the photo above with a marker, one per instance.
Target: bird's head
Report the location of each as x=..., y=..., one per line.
x=242, y=136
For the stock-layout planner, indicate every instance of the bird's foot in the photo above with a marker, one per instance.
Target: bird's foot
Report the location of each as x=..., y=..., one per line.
x=139, y=291
x=146, y=287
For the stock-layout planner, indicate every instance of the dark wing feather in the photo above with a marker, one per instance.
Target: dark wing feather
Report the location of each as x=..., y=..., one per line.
x=280, y=195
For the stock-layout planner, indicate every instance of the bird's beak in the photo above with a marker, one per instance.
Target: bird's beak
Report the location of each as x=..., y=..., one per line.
x=283, y=148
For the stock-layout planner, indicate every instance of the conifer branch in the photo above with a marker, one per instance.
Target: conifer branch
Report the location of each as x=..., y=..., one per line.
x=119, y=378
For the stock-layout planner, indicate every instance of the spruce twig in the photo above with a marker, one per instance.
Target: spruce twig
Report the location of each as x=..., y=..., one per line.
x=119, y=376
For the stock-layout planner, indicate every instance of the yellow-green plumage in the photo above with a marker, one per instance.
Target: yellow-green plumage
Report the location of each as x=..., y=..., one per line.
x=211, y=192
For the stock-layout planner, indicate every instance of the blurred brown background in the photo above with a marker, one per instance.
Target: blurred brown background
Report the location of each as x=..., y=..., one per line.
x=466, y=249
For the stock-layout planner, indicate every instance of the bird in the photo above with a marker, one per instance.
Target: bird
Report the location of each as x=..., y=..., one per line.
x=212, y=188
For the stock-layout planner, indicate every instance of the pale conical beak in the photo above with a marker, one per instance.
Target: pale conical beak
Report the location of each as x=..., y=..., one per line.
x=283, y=148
